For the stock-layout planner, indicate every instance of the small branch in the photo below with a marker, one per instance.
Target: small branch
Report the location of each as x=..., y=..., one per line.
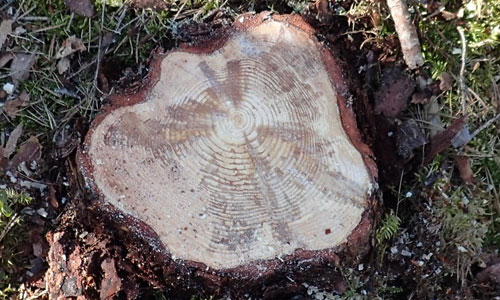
x=407, y=33
x=485, y=125
x=462, y=69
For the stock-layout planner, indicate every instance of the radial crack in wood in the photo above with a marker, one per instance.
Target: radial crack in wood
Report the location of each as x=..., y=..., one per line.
x=236, y=152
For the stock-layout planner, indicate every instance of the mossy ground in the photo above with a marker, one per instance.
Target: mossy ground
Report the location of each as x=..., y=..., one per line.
x=455, y=222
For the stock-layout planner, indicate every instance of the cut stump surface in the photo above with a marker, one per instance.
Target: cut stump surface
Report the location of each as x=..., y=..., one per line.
x=237, y=152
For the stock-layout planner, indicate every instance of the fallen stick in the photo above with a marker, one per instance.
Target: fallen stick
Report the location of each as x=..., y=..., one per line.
x=406, y=32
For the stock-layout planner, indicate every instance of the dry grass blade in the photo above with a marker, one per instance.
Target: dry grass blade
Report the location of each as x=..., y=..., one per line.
x=12, y=221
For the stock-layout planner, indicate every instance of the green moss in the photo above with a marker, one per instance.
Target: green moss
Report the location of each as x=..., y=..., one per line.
x=12, y=230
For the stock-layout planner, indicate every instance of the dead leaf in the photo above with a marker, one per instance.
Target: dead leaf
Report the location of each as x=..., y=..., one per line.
x=446, y=82
x=10, y=147
x=392, y=97
x=442, y=140
x=21, y=66
x=5, y=58
x=111, y=283
x=70, y=46
x=5, y=30
x=63, y=65
x=81, y=7
x=13, y=107
x=29, y=151
x=409, y=137
x=464, y=168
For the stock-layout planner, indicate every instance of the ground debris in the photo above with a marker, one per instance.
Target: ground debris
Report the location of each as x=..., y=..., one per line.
x=409, y=138
x=111, y=283
x=446, y=82
x=81, y=7
x=70, y=46
x=29, y=151
x=64, y=277
x=421, y=98
x=443, y=140
x=392, y=97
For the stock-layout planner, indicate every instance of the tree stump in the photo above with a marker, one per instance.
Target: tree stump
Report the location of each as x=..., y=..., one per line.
x=239, y=161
